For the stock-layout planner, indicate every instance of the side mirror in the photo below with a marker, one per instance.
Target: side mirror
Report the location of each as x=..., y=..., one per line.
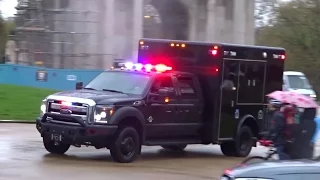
x=166, y=92
x=79, y=85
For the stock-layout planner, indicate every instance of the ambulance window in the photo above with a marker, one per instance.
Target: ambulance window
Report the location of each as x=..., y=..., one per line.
x=230, y=78
x=161, y=82
x=187, y=87
x=251, y=79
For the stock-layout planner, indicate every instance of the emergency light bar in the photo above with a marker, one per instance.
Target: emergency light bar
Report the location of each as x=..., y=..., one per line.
x=144, y=67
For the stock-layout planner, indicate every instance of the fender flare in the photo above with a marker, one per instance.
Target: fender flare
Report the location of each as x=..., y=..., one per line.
x=126, y=112
x=244, y=119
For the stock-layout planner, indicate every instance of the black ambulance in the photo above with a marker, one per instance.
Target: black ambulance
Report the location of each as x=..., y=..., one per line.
x=178, y=93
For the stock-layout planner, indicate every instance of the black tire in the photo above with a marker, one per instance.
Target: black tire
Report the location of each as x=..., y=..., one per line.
x=126, y=146
x=55, y=147
x=227, y=148
x=244, y=142
x=242, y=145
x=254, y=159
x=175, y=147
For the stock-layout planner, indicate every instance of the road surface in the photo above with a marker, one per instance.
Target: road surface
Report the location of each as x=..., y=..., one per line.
x=22, y=157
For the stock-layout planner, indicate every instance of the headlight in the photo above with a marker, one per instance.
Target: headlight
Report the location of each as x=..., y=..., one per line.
x=43, y=108
x=103, y=114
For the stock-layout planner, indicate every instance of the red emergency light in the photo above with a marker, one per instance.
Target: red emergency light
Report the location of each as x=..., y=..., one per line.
x=146, y=67
x=214, y=51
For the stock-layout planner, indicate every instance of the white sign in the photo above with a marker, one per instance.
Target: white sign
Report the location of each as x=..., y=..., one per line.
x=237, y=114
x=260, y=114
x=71, y=77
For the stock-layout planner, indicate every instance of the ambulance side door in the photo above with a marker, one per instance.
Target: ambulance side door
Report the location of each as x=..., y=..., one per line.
x=229, y=114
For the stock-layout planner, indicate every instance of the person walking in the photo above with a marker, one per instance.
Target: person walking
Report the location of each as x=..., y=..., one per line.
x=315, y=136
x=277, y=129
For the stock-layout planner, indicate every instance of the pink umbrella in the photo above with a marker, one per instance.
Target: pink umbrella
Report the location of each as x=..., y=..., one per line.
x=294, y=98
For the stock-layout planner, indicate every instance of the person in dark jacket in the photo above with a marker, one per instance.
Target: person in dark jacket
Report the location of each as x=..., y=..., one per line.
x=303, y=138
x=277, y=129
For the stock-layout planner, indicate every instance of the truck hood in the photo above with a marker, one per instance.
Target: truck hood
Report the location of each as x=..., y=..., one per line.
x=99, y=97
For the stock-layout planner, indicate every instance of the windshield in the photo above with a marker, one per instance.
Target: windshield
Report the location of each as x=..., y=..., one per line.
x=298, y=82
x=123, y=82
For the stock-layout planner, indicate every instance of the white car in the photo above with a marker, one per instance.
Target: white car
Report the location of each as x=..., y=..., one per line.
x=298, y=82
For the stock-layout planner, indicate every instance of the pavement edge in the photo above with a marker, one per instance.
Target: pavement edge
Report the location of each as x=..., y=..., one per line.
x=18, y=121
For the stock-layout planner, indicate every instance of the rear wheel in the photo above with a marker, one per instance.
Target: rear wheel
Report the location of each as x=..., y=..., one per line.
x=126, y=146
x=175, y=147
x=55, y=147
x=242, y=145
x=227, y=148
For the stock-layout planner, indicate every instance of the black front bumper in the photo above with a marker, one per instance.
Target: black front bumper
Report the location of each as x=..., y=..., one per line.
x=79, y=133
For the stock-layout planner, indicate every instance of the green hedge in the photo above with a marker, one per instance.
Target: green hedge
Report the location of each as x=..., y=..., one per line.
x=21, y=103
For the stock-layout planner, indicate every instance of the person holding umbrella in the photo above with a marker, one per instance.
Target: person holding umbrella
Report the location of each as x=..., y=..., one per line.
x=298, y=141
x=277, y=129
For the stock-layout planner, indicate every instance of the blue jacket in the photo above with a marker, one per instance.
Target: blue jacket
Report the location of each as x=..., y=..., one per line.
x=316, y=134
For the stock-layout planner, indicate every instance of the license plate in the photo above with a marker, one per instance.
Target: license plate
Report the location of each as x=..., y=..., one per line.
x=56, y=137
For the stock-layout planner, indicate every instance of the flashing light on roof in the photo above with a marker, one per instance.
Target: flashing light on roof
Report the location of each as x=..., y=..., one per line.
x=141, y=42
x=172, y=44
x=139, y=67
x=148, y=67
x=144, y=67
x=162, y=68
x=183, y=45
x=129, y=65
x=215, y=47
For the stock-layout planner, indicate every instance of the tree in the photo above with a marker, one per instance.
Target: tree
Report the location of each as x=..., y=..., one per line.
x=296, y=27
x=264, y=12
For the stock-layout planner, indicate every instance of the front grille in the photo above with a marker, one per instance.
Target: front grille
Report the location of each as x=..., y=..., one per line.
x=74, y=109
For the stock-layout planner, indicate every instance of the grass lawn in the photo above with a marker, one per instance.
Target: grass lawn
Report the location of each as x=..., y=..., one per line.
x=20, y=102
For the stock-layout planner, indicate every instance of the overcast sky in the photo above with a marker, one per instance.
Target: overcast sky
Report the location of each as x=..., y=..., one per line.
x=7, y=7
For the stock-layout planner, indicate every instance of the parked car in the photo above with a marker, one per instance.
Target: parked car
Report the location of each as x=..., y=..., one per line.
x=299, y=83
x=275, y=170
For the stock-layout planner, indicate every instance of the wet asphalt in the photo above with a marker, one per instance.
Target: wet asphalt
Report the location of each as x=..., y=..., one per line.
x=23, y=157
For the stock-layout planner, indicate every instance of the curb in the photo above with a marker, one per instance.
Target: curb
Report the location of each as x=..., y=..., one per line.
x=17, y=121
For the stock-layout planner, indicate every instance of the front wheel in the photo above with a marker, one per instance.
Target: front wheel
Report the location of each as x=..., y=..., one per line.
x=244, y=142
x=241, y=146
x=126, y=146
x=55, y=147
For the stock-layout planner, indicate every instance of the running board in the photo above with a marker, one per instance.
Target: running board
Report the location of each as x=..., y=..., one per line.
x=172, y=142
